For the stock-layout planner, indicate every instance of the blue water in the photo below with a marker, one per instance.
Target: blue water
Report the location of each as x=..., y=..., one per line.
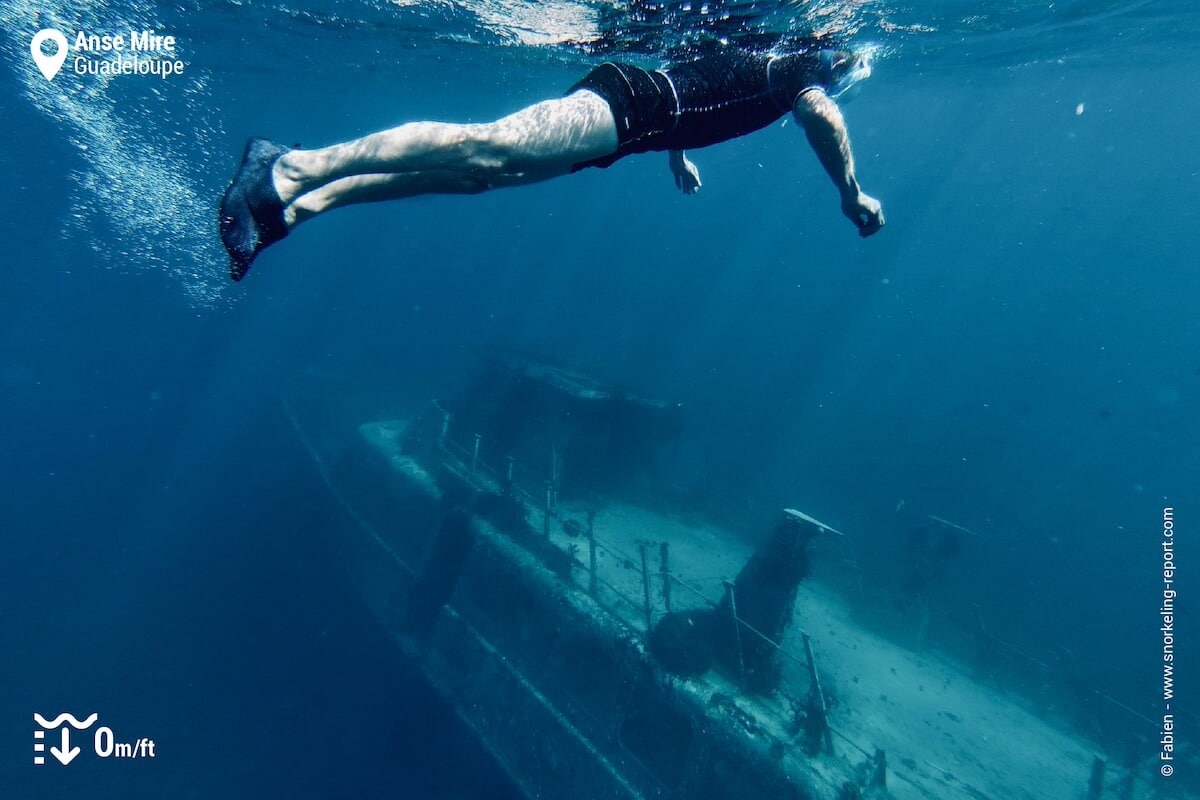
x=1018, y=351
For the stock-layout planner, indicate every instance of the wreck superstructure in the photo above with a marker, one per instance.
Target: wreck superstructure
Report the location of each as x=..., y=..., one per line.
x=599, y=647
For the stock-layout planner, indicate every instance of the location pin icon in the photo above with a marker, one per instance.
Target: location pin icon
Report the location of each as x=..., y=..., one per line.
x=49, y=65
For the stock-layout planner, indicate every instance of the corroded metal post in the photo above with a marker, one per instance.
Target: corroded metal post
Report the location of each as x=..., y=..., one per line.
x=879, y=769
x=555, y=467
x=645, y=586
x=591, y=535
x=666, y=575
x=1096, y=780
x=818, y=711
x=737, y=631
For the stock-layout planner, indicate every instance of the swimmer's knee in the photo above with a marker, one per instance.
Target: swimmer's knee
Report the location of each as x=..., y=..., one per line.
x=503, y=154
x=489, y=151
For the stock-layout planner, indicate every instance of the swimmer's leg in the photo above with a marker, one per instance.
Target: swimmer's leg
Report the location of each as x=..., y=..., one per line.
x=373, y=189
x=276, y=188
x=534, y=144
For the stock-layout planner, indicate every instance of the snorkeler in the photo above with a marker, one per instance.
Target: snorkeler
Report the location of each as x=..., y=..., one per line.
x=615, y=111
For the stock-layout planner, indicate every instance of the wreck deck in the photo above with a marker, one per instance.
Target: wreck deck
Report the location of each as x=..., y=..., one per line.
x=944, y=733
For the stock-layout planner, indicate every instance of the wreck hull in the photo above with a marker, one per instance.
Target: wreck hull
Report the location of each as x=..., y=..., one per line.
x=569, y=703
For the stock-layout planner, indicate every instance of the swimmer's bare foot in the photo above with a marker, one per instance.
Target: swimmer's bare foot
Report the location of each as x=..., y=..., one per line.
x=251, y=210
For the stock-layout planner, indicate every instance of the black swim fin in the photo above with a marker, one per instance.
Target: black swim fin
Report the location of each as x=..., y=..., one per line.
x=251, y=211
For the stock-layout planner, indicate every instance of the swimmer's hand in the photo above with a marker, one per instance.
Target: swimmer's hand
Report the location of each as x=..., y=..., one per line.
x=864, y=211
x=687, y=177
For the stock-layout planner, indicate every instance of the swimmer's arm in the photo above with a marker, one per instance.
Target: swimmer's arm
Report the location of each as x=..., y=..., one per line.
x=825, y=128
x=687, y=177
